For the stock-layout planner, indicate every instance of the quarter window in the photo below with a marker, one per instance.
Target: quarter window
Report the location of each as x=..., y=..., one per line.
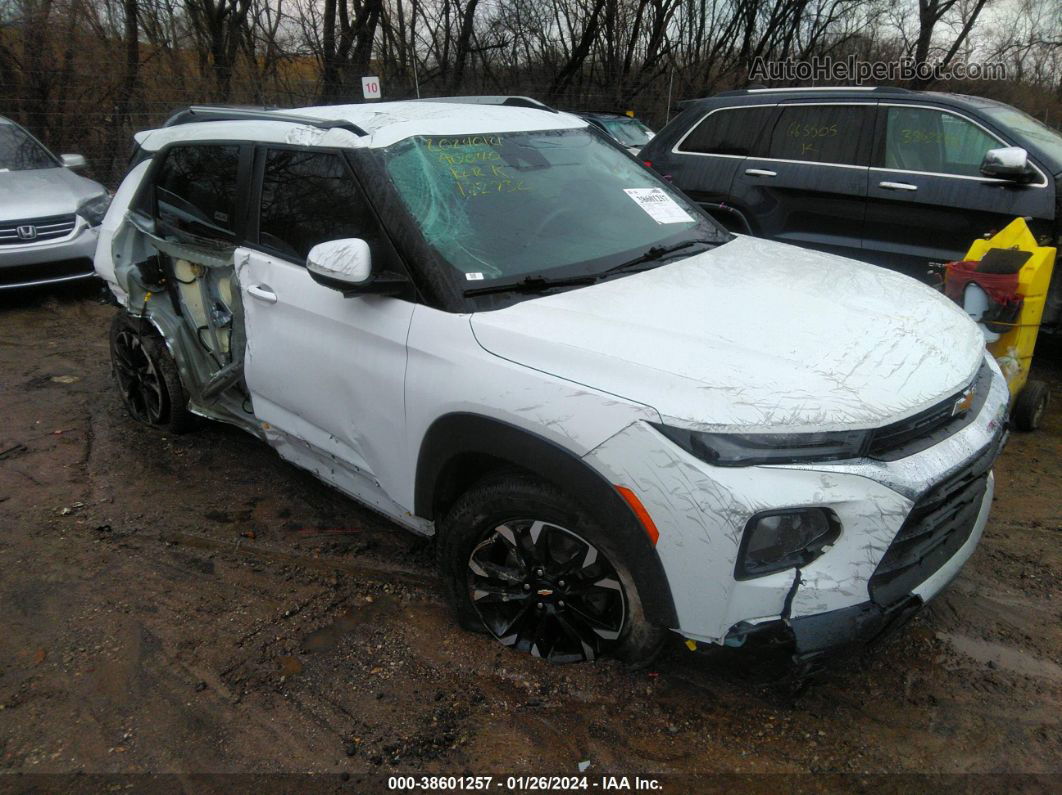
x=732, y=131
x=819, y=134
x=925, y=139
x=195, y=191
x=308, y=198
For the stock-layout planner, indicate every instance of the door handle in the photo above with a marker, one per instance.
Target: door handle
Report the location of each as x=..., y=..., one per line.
x=897, y=186
x=263, y=293
x=760, y=172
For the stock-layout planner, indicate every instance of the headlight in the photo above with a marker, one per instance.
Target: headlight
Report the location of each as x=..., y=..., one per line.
x=93, y=210
x=781, y=540
x=746, y=449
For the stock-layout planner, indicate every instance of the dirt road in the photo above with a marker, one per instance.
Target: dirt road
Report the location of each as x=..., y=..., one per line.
x=193, y=604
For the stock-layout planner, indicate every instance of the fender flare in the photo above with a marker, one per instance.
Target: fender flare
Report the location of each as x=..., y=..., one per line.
x=468, y=436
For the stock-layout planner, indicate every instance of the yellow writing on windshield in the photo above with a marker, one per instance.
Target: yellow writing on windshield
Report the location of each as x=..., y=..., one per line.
x=469, y=140
x=474, y=166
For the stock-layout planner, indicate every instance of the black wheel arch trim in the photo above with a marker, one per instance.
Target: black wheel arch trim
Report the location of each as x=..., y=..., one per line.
x=458, y=435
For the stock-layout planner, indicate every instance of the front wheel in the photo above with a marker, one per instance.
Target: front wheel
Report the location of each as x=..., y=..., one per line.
x=523, y=562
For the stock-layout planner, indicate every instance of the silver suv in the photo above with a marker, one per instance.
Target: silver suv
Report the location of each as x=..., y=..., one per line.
x=49, y=216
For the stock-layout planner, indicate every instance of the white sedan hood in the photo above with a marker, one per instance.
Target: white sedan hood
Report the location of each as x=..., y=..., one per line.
x=750, y=335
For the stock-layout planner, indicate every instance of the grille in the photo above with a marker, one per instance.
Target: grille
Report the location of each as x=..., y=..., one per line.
x=925, y=429
x=12, y=276
x=50, y=228
x=940, y=522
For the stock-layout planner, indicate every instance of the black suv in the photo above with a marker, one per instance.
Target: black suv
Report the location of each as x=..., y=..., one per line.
x=904, y=179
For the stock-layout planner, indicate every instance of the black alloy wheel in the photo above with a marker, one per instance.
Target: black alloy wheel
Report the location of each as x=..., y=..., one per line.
x=146, y=375
x=138, y=378
x=544, y=590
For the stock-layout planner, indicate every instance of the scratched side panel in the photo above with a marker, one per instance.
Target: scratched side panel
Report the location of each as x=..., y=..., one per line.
x=449, y=372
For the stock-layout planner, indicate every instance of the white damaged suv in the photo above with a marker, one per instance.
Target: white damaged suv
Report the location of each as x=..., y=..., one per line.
x=493, y=326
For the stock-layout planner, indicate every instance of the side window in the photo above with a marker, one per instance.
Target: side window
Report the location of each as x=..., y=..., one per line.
x=925, y=139
x=195, y=191
x=308, y=198
x=732, y=131
x=819, y=134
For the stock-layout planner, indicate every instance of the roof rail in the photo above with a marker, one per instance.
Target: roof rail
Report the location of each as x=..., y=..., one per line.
x=500, y=99
x=200, y=113
x=796, y=89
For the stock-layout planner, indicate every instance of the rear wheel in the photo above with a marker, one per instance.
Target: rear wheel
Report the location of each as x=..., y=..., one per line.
x=146, y=375
x=522, y=562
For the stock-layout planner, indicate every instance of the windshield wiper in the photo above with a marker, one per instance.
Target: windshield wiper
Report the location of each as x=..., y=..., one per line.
x=531, y=284
x=656, y=253
x=535, y=283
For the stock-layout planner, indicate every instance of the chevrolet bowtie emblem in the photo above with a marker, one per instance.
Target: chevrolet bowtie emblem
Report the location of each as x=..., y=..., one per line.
x=964, y=403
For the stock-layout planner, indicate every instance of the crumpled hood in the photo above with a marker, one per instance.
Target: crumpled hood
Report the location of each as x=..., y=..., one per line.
x=754, y=335
x=42, y=192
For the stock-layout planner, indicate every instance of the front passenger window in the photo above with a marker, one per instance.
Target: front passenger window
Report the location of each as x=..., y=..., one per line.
x=929, y=140
x=308, y=198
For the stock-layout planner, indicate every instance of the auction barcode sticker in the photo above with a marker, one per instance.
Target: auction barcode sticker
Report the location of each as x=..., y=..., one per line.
x=658, y=205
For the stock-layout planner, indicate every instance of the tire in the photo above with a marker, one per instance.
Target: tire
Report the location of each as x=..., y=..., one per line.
x=146, y=376
x=522, y=562
x=1030, y=406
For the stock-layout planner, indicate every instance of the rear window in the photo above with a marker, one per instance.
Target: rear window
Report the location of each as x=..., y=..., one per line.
x=819, y=134
x=195, y=190
x=731, y=131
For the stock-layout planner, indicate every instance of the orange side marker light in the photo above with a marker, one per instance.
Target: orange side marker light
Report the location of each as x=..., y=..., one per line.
x=641, y=513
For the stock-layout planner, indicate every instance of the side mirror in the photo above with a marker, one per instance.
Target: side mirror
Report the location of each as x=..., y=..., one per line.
x=73, y=161
x=343, y=265
x=1009, y=162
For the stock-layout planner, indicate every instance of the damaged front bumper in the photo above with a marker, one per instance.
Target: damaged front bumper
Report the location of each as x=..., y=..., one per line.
x=934, y=502
x=819, y=635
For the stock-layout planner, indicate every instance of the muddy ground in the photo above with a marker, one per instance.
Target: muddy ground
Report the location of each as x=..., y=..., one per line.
x=193, y=604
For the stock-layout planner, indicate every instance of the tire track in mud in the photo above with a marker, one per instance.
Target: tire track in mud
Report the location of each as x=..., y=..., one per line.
x=175, y=596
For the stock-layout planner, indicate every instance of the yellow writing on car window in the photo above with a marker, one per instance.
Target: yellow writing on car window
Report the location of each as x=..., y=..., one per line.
x=468, y=140
x=474, y=166
x=910, y=136
x=798, y=130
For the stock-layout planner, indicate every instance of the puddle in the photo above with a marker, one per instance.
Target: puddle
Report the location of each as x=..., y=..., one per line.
x=289, y=666
x=1005, y=657
x=328, y=636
